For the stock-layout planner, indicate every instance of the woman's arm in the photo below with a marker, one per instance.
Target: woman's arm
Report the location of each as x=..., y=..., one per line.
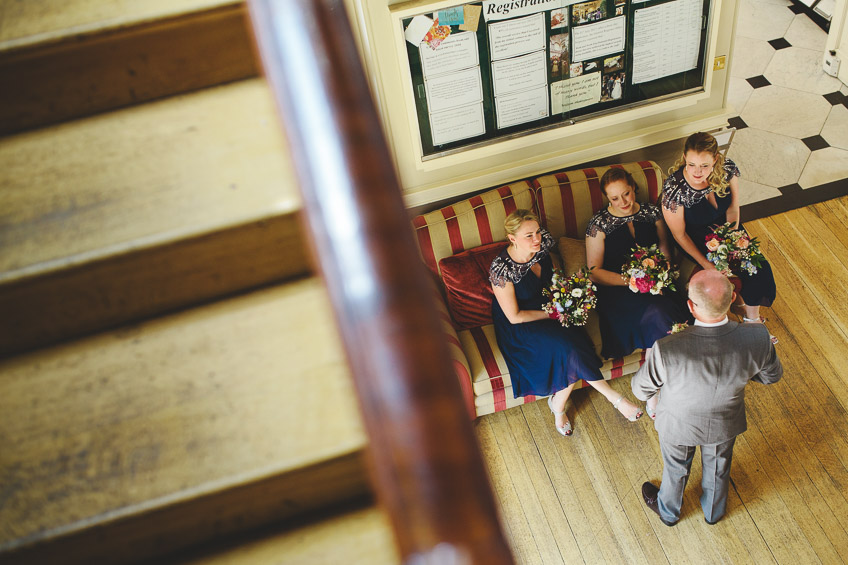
x=733, y=212
x=595, y=260
x=505, y=295
x=665, y=241
x=677, y=225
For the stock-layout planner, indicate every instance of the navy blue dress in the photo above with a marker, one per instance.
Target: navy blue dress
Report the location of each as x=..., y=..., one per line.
x=700, y=216
x=631, y=320
x=543, y=357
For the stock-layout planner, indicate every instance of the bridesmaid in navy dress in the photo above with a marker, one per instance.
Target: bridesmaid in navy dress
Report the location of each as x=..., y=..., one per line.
x=701, y=192
x=543, y=357
x=628, y=320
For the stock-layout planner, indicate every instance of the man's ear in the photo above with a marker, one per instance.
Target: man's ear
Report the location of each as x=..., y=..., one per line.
x=691, y=306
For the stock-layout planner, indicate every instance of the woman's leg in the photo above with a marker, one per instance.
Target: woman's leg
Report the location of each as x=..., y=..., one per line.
x=558, y=402
x=627, y=408
x=752, y=312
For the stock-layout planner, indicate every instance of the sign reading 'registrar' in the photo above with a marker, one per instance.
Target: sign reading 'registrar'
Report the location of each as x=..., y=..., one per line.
x=502, y=9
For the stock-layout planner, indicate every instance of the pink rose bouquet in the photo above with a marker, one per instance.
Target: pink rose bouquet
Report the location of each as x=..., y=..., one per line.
x=648, y=270
x=571, y=298
x=730, y=249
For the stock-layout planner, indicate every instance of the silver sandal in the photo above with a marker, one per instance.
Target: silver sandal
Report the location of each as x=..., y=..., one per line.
x=565, y=430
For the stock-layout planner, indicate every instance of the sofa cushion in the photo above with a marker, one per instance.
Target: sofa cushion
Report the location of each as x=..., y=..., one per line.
x=568, y=200
x=573, y=253
x=470, y=223
x=467, y=288
x=485, y=360
x=500, y=400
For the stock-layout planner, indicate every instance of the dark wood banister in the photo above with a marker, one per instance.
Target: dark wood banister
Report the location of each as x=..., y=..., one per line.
x=425, y=463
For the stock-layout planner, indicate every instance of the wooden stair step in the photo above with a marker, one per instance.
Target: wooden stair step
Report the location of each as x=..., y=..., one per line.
x=157, y=436
x=357, y=535
x=140, y=211
x=63, y=60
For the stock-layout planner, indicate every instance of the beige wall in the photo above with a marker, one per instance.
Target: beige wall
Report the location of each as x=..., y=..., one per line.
x=837, y=37
x=452, y=176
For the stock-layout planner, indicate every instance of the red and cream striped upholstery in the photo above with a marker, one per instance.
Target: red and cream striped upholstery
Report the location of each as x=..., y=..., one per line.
x=567, y=201
x=460, y=361
x=564, y=202
x=469, y=223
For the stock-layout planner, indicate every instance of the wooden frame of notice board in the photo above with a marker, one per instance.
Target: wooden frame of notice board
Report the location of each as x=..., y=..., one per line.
x=378, y=26
x=497, y=70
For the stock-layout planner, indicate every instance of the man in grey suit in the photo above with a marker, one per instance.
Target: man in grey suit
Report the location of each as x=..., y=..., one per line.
x=702, y=372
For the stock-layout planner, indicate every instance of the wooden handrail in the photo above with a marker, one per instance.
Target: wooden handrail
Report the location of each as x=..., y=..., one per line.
x=426, y=466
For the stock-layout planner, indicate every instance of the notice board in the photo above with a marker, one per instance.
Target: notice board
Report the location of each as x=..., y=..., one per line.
x=495, y=69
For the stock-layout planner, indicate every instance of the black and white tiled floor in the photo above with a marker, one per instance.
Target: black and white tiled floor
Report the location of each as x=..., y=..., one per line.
x=791, y=119
x=791, y=141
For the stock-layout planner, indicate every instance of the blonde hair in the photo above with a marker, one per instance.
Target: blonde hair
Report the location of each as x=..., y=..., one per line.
x=702, y=142
x=514, y=220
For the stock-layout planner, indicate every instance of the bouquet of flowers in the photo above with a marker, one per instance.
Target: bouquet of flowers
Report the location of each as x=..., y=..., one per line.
x=648, y=271
x=571, y=298
x=731, y=248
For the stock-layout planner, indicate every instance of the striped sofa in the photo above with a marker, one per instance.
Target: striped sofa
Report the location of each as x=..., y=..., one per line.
x=564, y=203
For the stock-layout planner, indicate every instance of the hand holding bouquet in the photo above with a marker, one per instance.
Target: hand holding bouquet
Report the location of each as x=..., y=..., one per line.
x=571, y=298
x=730, y=248
x=648, y=270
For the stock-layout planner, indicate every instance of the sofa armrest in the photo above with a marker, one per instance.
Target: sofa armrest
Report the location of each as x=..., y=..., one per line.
x=460, y=361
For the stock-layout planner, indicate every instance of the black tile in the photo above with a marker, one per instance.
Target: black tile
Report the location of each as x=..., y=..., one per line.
x=793, y=200
x=789, y=189
x=815, y=142
x=780, y=43
x=835, y=98
x=796, y=9
x=737, y=123
x=758, y=81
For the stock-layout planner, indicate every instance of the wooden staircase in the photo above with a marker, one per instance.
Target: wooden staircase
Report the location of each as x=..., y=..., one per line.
x=172, y=387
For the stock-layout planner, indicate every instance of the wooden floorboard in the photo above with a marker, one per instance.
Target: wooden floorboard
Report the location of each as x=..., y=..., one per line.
x=578, y=499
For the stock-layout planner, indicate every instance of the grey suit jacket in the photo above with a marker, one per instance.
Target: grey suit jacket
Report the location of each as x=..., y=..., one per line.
x=703, y=372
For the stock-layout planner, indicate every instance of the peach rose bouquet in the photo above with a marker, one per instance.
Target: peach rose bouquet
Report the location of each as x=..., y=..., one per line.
x=730, y=249
x=648, y=270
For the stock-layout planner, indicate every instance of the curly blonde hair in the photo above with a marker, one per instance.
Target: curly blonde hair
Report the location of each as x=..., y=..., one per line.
x=702, y=142
x=515, y=219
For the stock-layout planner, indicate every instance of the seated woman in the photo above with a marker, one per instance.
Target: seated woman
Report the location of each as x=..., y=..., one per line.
x=702, y=191
x=543, y=357
x=628, y=320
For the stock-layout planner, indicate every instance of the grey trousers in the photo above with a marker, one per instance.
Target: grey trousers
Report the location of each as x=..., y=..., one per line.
x=677, y=461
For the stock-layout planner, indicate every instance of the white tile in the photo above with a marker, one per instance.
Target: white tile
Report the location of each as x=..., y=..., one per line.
x=835, y=130
x=800, y=69
x=804, y=33
x=750, y=191
x=786, y=111
x=750, y=57
x=768, y=158
x=738, y=93
x=825, y=165
x=844, y=89
x=761, y=19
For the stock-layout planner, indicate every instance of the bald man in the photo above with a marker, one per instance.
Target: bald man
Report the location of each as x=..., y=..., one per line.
x=702, y=372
